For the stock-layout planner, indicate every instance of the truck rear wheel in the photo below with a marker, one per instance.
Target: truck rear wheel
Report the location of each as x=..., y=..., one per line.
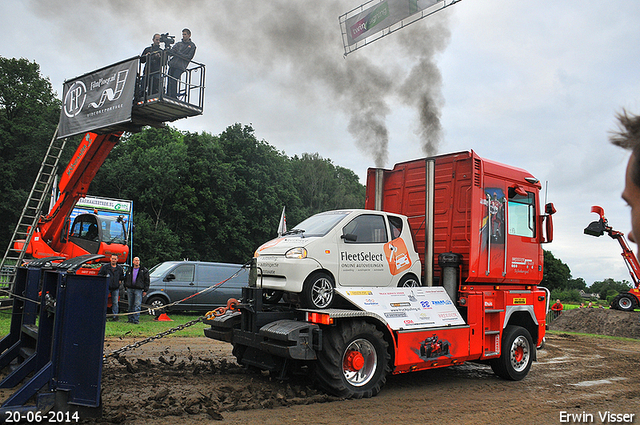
x=317, y=291
x=354, y=361
x=624, y=302
x=517, y=354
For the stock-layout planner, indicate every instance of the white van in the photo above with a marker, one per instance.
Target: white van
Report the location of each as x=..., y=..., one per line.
x=343, y=247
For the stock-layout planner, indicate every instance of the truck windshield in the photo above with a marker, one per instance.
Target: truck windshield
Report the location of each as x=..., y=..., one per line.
x=319, y=224
x=113, y=231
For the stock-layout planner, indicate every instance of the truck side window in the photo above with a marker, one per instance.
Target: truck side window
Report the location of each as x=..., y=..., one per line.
x=184, y=273
x=395, y=225
x=522, y=214
x=367, y=228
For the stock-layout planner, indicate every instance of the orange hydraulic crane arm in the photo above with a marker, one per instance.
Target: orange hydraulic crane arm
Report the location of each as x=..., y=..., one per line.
x=76, y=178
x=598, y=228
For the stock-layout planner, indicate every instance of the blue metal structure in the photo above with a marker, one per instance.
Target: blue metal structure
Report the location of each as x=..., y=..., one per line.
x=63, y=351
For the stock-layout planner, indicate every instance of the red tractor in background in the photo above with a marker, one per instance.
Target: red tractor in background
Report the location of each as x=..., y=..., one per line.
x=627, y=301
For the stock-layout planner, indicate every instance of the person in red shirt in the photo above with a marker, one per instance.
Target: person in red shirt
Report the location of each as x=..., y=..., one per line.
x=557, y=309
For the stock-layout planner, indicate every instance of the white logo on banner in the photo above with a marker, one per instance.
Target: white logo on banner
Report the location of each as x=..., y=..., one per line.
x=111, y=94
x=75, y=98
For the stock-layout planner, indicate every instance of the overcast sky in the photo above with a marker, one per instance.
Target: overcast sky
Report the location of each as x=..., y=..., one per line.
x=532, y=84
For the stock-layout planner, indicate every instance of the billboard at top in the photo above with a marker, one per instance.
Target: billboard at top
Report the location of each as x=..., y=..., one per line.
x=382, y=15
x=98, y=99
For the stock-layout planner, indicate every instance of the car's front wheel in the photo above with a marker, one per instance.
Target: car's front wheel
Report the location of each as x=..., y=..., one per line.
x=317, y=291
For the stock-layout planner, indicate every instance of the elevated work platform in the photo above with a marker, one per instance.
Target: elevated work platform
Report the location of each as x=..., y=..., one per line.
x=131, y=94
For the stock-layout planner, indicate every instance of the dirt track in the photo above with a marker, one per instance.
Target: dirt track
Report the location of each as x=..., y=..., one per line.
x=196, y=380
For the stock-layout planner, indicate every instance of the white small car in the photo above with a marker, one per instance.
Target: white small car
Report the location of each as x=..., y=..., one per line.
x=343, y=247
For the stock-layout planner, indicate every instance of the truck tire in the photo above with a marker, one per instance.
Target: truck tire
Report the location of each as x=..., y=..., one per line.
x=354, y=360
x=408, y=281
x=516, y=356
x=624, y=302
x=317, y=291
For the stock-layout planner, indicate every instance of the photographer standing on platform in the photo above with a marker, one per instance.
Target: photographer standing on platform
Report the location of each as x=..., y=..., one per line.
x=181, y=54
x=152, y=58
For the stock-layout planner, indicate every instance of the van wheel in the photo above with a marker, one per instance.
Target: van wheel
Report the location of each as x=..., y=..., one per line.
x=271, y=296
x=317, y=291
x=156, y=302
x=408, y=281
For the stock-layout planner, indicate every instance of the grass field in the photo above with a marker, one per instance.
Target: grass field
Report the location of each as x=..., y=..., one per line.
x=148, y=325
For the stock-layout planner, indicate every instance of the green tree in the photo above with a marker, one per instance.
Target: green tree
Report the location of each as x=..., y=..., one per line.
x=323, y=186
x=577, y=283
x=556, y=274
x=29, y=114
x=572, y=295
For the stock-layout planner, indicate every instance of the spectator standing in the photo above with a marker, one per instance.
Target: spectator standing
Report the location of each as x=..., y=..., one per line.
x=115, y=273
x=137, y=284
x=181, y=54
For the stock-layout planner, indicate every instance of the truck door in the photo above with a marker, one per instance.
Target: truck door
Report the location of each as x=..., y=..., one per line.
x=522, y=246
x=85, y=233
x=492, y=230
x=508, y=249
x=362, y=258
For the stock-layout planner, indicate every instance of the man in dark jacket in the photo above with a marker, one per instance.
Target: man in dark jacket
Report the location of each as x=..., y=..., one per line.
x=115, y=273
x=181, y=54
x=152, y=58
x=137, y=284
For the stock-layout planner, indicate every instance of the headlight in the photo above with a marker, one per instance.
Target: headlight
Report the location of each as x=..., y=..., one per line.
x=296, y=253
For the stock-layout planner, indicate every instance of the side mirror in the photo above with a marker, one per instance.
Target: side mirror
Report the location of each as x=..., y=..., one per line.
x=349, y=237
x=549, y=210
x=169, y=277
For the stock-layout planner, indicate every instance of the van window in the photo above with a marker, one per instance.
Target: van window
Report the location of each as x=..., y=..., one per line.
x=159, y=269
x=367, y=228
x=184, y=273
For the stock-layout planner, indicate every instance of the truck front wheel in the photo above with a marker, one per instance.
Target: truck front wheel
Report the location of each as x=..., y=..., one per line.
x=516, y=356
x=624, y=302
x=317, y=291
x=354, y=360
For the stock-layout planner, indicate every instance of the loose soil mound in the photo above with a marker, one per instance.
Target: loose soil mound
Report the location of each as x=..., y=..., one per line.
x=599, y=321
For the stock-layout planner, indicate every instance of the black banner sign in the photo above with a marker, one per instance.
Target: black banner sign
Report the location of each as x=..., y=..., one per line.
x=98, y=99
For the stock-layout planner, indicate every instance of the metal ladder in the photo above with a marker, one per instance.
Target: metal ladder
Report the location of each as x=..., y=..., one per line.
x=31, y=212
